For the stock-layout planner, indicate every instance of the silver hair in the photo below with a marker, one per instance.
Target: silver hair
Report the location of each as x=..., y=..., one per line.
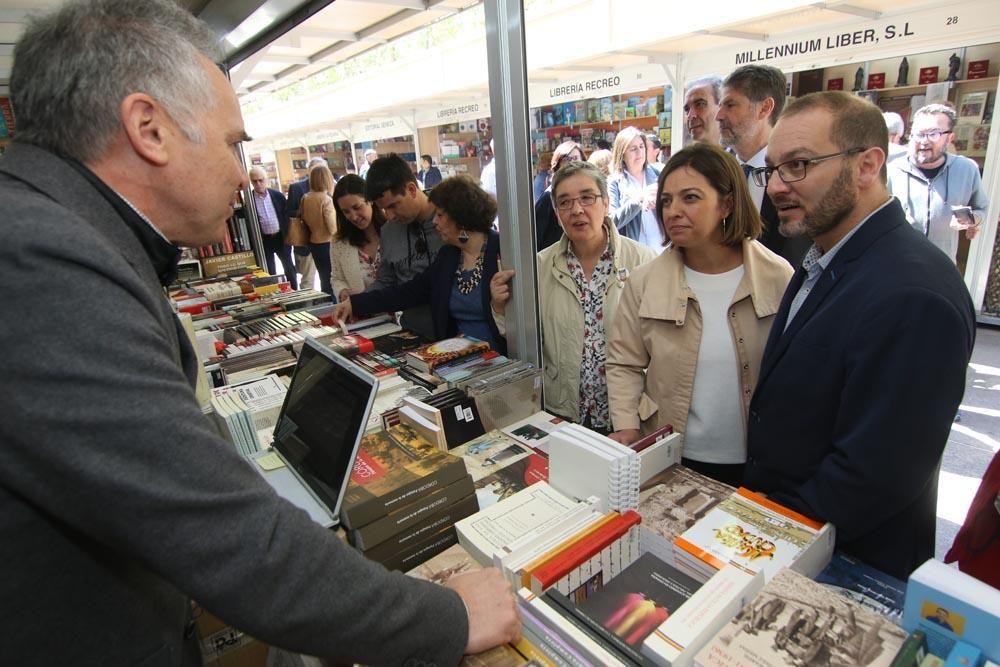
x=315, y=162
x=579, y=168
x=75, y=65
x=927, y=110
x=713, y=81
x=256, y=169
x=893, y=122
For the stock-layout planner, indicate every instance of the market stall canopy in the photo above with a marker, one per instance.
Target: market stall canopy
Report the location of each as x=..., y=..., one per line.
x=602, y=37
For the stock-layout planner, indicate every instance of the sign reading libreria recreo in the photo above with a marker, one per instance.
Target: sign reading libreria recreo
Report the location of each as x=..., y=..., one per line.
x=626, y=80
x=453, y=114
x=958, y=23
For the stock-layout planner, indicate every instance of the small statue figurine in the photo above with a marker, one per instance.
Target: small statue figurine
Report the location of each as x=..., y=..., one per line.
x=904, y=72
x=953, y=64
x=858, y=79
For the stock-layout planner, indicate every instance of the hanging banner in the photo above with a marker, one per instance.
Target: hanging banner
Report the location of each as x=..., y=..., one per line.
x=381, y=128
x=626, y=80
x=852, y=42
x=453, y=114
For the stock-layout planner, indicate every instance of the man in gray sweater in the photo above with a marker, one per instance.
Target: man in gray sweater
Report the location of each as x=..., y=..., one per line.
x=117, y=498
x=930, y=183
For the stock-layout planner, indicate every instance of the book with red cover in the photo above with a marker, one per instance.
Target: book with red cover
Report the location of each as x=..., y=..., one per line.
x=652, y=438
x=351, y=344
x=549, y=573
x=428, y=357
x=393, y=469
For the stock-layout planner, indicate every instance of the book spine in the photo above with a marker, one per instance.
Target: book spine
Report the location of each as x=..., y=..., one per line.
x=560, y=549
x=544, y=576
x=549, y=641
x=591, y=649
x=415, y=515
x=375, y=507
x=406, y=560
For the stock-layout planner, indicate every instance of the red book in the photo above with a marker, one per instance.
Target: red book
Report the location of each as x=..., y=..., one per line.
x=549, y=573
x=876, y=81
x=928, y=75
x=835, y=84
x=978, y=69
x=350, y=345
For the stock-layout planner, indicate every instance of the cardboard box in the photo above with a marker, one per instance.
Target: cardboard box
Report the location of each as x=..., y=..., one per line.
x=225, y=646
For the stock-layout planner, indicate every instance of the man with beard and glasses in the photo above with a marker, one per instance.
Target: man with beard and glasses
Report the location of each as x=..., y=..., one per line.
x=865, y=364
x=752, y=99
x=931, y=182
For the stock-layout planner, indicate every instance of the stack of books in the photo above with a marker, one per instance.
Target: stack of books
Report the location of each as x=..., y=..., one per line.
x=448, y=419
x=246, y=413
x=674, y=501
x=757, y=534
x=404, y=498
x=583, y=463
x=432, y=355
x=501, y=466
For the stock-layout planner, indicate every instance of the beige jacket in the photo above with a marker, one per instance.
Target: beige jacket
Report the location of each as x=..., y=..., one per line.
x=562, y=316
x=319, y=216
x=653, y=350
x=345, y=268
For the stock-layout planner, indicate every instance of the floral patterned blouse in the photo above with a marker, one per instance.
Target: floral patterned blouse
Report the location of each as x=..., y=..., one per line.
x=594, y=411
x=369, y=265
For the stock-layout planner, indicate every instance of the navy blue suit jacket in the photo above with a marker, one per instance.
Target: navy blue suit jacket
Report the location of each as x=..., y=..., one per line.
x=856, y=399
x=433, y=286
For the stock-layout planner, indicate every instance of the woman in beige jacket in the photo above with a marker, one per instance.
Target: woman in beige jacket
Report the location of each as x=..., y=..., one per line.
x=316, y=210
x=692, y=324
x=580, y=279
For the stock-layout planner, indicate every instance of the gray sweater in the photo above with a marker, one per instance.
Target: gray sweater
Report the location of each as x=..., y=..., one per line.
x=118, y=500
x=927, y=204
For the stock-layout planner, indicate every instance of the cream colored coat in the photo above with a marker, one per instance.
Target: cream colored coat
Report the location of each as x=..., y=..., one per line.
x=653, y=350
x=346, y=270
x=319, y=216
x=562, y=316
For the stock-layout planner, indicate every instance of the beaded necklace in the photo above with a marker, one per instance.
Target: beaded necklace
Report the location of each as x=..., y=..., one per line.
x=466, y=285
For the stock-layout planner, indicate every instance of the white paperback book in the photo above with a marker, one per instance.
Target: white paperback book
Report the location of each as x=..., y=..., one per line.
x=491, y=529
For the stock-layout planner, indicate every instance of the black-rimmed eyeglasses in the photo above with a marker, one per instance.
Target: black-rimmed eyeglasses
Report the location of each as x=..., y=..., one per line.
x=795, y=170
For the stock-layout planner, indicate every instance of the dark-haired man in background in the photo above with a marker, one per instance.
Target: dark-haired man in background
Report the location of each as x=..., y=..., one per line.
x=752, y=99
x=410, y=240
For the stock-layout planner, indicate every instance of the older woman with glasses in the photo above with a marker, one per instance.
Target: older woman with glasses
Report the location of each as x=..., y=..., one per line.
x=580, y=279
x=547, y=230
x=633, y=190
x=692, y=324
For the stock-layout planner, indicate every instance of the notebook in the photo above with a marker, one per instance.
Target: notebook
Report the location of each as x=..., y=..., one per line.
x=318, y=431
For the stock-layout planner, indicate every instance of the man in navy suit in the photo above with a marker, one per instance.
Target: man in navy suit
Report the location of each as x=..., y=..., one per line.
x=272, y=216
x=865, y=364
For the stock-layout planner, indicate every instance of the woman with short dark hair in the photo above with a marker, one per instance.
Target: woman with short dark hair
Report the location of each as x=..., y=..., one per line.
x=692, y=323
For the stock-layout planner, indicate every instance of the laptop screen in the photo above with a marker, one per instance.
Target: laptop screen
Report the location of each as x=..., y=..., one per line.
x=322, y=420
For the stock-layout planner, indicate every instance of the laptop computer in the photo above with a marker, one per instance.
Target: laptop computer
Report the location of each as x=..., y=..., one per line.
x=318, y=431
